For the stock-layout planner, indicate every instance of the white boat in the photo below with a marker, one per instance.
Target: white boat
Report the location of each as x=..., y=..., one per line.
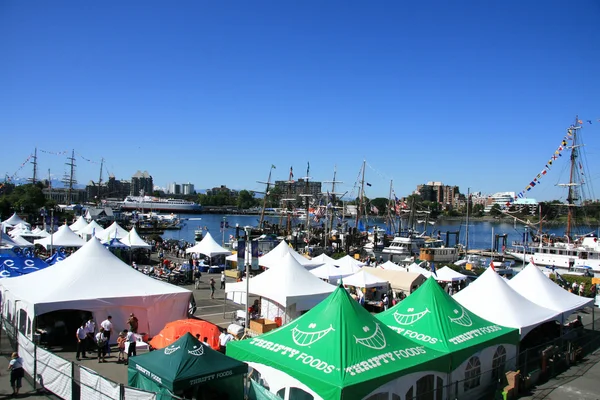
x=569, y=253
x=404, y=247
x=157, y=204
x=435, y=250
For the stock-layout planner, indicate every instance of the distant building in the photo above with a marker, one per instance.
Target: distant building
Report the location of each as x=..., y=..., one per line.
x=113, y=188
x=187, y=189
x=174, y=188
x=296, y=188
x=221, y=189
x=447, y=196
x=60, y=195
x=141, y=183
x=181, y=189
x=506, y=201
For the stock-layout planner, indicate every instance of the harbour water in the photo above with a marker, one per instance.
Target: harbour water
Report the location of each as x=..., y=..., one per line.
x=481, y=233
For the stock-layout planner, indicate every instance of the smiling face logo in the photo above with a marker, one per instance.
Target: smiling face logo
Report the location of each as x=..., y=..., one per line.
x=306, y=338
x=376, y=341
x=171, y=349
x=411, y=318
x=197, y=350
x=464, y=319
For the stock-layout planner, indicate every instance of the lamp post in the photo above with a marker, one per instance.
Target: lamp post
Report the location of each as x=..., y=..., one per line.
x=248, y=260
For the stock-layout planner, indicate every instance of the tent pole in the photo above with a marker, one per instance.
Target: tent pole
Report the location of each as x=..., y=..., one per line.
x=247, y=259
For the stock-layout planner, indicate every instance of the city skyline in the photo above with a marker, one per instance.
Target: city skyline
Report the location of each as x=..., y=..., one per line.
x=476, y=95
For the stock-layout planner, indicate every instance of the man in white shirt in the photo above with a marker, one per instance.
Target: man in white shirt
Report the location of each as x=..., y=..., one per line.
x=108, y=327
x=90, y=330
x=224, y=338
x=131, y=350
x=81, y=336
x=222, y=279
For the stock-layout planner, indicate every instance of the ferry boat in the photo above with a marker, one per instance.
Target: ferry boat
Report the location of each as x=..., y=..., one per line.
x=157, y=204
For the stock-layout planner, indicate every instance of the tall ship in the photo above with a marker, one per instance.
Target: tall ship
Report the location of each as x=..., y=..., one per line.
x=579, y=248
x=148, y=203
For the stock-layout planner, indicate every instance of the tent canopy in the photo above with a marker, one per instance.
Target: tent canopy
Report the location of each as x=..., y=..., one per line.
x=432, y=318
x=364, y=279
x=13, y=221
x=446, y=274
x=114, y=231
x=134, y=241
x=323, y=258
x=75, y=287
x=176, y=329
x=532, y=284
x=419, y=270
x=491, y=298
x=289, y=283
x=63, y=237
x=392, y=266
x=93, y=228
x=11, y=266
x=209, y=247
x=327, y=347
x=79, y=224
x=183, y=364
x=399, y=280
x=348, y=264
x=328, y=271
x=274, y=257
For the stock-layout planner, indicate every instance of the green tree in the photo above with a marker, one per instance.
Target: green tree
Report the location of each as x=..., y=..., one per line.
x=245, y=199
x=27, y=198
x=381, y=204
x=496, y=210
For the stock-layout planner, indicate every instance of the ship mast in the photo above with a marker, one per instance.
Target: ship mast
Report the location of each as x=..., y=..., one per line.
x=262, y=212
x=572, y=196
x=34, y=162
x=361, y=194
x=100, y=179
x=306, y=195
x=70, y=179
x=331, y=199
x=389, y=218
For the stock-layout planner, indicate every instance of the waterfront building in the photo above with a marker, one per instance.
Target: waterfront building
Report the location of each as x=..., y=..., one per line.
x=141, y=182
x=297, y=188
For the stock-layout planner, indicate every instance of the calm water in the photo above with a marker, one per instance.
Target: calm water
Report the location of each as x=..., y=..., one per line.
x=481, y=233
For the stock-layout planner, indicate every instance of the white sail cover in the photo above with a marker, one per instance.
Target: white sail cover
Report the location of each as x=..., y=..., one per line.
x=349, y=265
x=490, y=297
x=134, y=241
x=72, y=284
x=274, y=257
x=532, y=284
x=63, y=237
x=209, y=247
x=79, y=224
x=446, y=274
x=328, y=271
x=364, y=279
x=92, y=229
x=114, y=231
x=289, y=283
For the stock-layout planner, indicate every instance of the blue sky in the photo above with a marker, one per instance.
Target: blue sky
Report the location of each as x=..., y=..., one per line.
x=469, y=93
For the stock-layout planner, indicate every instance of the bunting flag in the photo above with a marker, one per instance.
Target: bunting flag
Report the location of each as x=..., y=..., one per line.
x=492, y=265
x=87, y=159
x=56, y=153
x=291, y=174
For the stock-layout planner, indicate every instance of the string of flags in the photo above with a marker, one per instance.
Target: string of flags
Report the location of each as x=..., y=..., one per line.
x=564, y=144
x=14, y=176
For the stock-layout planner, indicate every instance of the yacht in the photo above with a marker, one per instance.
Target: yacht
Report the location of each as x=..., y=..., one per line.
x=157, y=204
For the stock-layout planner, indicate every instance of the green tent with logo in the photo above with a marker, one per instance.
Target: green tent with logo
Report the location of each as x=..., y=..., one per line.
x=184, y=366
x=431, y=317
x=338, y=350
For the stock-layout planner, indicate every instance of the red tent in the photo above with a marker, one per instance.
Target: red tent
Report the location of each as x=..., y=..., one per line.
x=176, y=329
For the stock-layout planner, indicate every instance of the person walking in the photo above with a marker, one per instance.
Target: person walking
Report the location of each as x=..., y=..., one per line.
x=90, y=330
x=222, y=279
x=81, y=336
x=224, y=338
x=101, y=343
x=197, y=276
x=108, y=327
x=212, y=288
x=15, y=366
x=131, y=350
x=121, y=346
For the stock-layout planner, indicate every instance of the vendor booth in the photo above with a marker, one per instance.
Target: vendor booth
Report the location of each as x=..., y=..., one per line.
x=63, y=237
x=274, y=257
x=491, y=298
x=92, y=281
x=406, y=282
x=91, y=229
x=329, y=272
x=435, y=320
x=446, y=274
x=286, y=291
x=177, y=329
x=78, y=225
x=338, y=350
x=188, y=368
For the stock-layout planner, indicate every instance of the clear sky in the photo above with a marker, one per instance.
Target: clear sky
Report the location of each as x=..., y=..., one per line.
x=470, y=93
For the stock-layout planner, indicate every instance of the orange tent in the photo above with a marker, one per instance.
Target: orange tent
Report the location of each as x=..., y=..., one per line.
x=176, y=329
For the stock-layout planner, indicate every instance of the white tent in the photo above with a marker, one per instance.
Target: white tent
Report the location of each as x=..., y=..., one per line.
x=364, y=279
x=532, y=284
x=7, y=241
x=39, y=232
x=76, y=285
x=490, y=297
x=419, y=270
x=328, y=271
x=134, y=241
x=289, y=285
x=13, y=221
x=79, y=224
x=323, y=258
x=349, y=265
x=392, y=266
x=92, y=229
x=446, y=274
x=209, y=247
x=63, y=237
x=22, y=232
x=22, y=242
x=114, y=231
x=274, y=257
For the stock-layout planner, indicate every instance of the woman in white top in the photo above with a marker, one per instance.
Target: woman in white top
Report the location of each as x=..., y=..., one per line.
x=16, y=372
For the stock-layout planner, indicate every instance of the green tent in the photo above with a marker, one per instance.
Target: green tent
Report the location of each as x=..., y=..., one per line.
x=185, y=364
x=339, y=350
x=431, y=317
